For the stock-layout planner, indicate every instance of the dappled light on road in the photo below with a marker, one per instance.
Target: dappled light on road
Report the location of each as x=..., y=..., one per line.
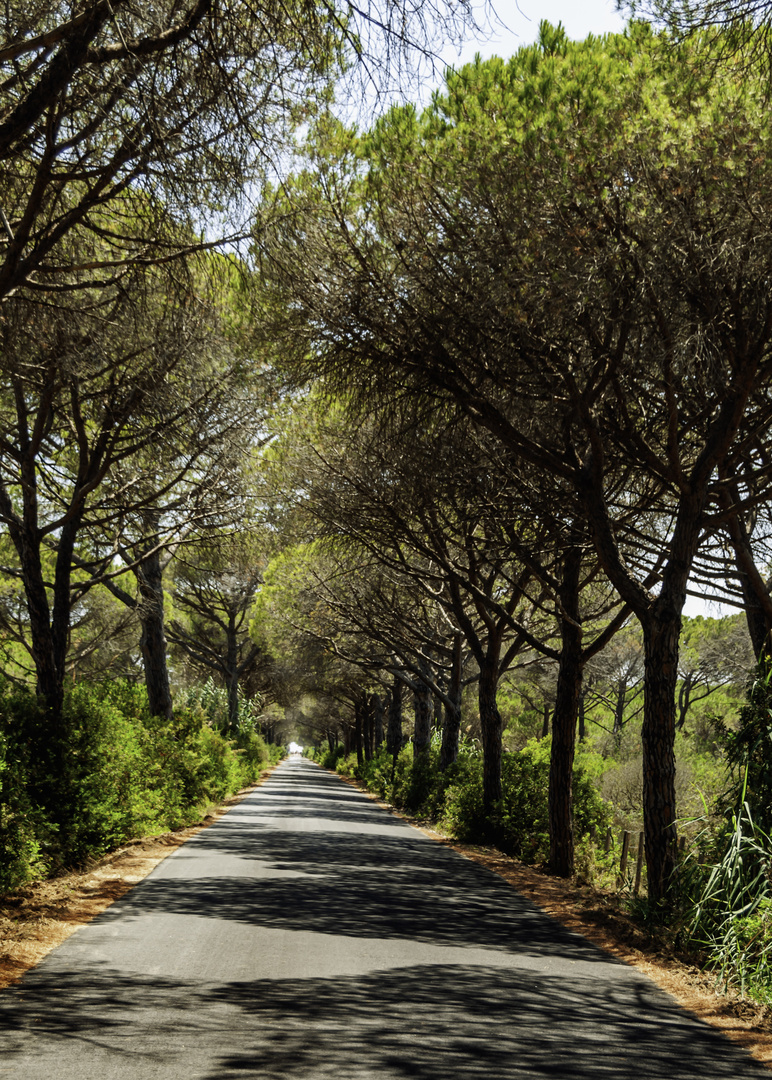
x=309, y=934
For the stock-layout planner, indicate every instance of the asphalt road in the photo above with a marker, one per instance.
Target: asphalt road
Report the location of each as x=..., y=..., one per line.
x=310, y=934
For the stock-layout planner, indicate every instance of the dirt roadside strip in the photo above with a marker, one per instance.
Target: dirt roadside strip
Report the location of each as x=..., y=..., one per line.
x=42, y=915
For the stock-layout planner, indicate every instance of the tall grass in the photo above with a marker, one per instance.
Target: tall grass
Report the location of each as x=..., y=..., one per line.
x=726, y=887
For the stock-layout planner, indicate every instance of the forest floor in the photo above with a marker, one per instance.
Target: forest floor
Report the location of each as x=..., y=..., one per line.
x=41, y=915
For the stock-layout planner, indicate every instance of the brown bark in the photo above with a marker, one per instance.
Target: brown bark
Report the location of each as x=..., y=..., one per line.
x=422, y=735
x=376, y=703
x=661, y=637
x=491, y=730
x=153, y=639
x=394, y=728
x=358, y=733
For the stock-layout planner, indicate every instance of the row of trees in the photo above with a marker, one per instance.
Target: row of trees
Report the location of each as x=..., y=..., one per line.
x=559, y=273
x=131, y=389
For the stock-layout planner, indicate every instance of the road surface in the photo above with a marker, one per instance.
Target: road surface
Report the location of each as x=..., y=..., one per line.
x=310, y=934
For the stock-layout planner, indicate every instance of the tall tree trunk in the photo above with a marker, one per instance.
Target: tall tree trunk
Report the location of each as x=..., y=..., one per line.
x=490, y=725
x=232, y=668
x=564, y=718
x=545, y=721
x=661, y=633
x=153, y=640
x=376, y=704
x=422, y=734
x=358, y=733
x=368, y=721
x=49, y=627
x=49, y=687
x=394, y=728
x=452, y=718
x=582, y=733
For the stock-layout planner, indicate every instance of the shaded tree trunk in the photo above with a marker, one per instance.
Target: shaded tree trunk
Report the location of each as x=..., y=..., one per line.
x=452, y=717
x=358, y=733
x=378, y=712
x=232, y=670
x=394, y=725
x=153, y=640
x=564, y=719
x=661, y=633
x=368, y=721
x=545, y=722
x=490, y=725
x=582, y=719
x=422, y=734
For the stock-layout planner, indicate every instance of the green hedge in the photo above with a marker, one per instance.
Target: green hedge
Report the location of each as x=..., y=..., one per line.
x=454, y=797
x=111, y=773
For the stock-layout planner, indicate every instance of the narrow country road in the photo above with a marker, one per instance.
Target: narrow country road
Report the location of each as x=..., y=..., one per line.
x=310, y=934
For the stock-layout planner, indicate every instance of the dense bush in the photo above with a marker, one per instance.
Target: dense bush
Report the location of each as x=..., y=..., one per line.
x=454, y=797
x=327, y=758
x=749, y=750
x=113, y=773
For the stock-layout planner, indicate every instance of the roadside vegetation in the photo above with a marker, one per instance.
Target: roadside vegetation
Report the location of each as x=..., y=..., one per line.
x=410, y=439
x=127, y=774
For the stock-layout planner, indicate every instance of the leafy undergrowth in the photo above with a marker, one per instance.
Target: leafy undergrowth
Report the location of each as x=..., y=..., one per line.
x=453, y=797
x=107, y=772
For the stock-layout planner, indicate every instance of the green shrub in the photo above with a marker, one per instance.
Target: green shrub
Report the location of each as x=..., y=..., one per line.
x=519, y=824
x=327, y=758
x=113, y=772
x=454, y=796
x=749, y=751
x=22, y=824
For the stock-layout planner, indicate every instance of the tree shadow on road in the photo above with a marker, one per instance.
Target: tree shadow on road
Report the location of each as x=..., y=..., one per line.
x=435, y=1022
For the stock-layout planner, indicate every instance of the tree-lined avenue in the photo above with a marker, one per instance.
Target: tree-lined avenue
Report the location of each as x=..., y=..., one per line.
x=309, y=933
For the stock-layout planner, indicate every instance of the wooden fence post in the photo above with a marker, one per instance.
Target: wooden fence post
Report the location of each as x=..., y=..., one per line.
x=639, y=864
x=623, y=859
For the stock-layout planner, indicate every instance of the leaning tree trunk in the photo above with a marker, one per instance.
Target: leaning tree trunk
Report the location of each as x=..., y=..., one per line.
x=153, y=639
x=569, y=689
x=451, y=725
